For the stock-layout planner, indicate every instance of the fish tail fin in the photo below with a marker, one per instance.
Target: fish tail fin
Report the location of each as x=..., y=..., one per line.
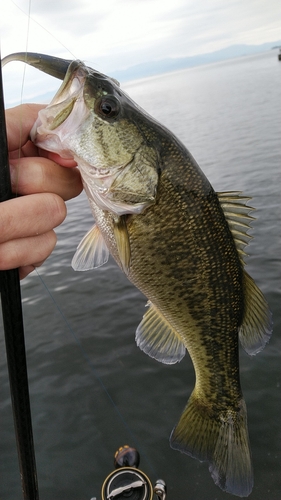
x=220, y=439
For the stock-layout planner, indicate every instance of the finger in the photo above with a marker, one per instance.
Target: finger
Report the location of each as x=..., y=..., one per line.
x=25, y=270
x=29, y=149
x=30, y=215
x=19, y=121
x=40, y=175
x=65, y=162
x=27, y=252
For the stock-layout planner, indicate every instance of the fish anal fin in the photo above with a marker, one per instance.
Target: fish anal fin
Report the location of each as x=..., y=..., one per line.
x=156, y=337
x=91, y=252
x=220, y=439
x=236, y=212
x=256, y=327
x=122, y=242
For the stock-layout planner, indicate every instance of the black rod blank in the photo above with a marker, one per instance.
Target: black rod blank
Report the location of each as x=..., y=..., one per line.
x=14, y=338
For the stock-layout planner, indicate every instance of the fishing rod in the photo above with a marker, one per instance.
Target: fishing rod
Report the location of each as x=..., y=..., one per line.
x=126, y=480
x=14, y=338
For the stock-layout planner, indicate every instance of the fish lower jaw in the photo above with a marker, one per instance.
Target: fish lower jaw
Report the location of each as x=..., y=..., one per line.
x=98, y=176
x=51, y=142
x=100, y=198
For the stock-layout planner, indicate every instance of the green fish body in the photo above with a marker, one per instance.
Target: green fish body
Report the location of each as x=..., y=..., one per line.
x=180, y=243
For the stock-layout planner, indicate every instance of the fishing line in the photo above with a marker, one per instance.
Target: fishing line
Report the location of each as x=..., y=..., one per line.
x=94, y=371
x=26, y=49
x=42, y=27
x=29, y=18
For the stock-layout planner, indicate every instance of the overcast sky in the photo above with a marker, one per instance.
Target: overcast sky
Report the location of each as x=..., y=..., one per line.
x=115, y=34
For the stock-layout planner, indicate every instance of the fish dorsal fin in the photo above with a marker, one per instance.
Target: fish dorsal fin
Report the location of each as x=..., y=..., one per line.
x=237, y=215
x=91, y=252
x=256, y=328
x=122, y=242
x=158, y=339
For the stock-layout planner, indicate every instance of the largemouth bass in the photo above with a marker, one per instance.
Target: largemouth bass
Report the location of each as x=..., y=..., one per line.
x=180, y=243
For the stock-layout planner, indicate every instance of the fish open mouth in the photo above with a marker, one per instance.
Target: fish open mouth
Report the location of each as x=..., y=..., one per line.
x=63, y=116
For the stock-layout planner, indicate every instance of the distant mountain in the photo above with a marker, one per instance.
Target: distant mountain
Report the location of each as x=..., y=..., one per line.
x=151, y=68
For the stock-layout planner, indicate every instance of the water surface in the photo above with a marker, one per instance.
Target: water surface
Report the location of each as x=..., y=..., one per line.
x=229, y=116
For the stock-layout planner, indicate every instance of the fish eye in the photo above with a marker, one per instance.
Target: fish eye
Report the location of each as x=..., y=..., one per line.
x=107, y=106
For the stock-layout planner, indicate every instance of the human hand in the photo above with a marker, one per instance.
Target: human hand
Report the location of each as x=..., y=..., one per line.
x=26, y=222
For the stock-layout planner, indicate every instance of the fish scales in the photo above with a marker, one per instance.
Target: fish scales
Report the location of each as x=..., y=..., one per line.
x=178, y=241
x=181, y=270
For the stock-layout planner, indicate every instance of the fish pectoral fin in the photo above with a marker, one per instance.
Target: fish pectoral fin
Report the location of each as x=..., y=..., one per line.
x=91, y=252
x=256, y=327
x=236, y=212
x=221, y=439
x=122, y=242
x=158, y=339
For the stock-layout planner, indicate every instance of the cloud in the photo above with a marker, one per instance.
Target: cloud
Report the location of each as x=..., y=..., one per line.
x=71, y=18
x=146, y=28
x=116, y=34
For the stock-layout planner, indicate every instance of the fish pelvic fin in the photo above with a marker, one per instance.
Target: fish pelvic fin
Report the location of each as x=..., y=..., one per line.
x=221, y=439
x=157, y=338
x=91, y=252
x=256, y=327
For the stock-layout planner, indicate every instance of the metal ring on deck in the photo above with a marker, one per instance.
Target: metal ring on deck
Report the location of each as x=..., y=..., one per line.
x=127, y=482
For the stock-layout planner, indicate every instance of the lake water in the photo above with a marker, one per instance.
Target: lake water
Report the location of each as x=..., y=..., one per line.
x=92, y=390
